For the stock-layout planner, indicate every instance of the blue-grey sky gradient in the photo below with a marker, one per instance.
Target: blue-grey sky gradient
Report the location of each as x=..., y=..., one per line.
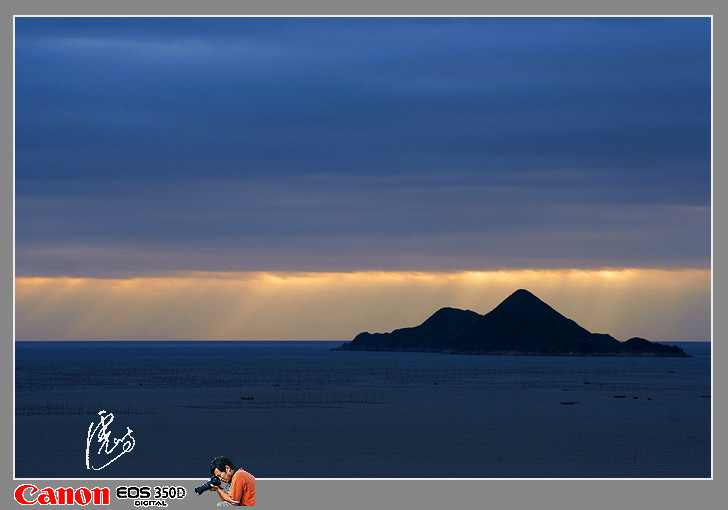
x=166, y=144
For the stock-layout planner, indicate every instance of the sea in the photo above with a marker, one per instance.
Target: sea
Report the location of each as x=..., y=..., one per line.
x=303, y=410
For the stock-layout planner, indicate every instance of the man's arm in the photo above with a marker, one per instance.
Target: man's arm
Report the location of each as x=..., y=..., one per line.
x=224, y=495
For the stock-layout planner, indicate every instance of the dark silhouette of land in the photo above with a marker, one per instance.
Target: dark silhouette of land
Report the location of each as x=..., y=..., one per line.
x=522, y=324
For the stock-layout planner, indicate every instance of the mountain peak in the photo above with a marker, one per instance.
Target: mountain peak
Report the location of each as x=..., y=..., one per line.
x=522, y=292
x=522, y=295
x=522, y=301
x=449, y=313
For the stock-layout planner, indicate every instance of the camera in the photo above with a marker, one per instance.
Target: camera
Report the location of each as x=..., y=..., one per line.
x=206, y=486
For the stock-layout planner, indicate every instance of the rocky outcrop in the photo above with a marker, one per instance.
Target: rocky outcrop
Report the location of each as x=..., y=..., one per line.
x=521, y=324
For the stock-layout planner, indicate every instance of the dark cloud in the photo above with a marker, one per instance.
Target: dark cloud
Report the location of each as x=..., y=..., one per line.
x=302, y=143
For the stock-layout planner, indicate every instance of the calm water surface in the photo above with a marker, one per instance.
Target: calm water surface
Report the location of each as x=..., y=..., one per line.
x=299, y=409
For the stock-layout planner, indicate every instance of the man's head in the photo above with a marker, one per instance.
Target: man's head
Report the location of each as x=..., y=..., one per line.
x=223, y=468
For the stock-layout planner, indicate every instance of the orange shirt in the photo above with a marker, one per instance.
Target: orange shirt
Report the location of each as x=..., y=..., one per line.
x=242, y=488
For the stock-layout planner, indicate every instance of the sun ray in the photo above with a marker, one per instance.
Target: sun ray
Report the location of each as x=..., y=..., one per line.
x=663, y=305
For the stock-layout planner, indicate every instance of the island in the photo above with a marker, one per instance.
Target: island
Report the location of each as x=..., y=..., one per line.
x=522, y=324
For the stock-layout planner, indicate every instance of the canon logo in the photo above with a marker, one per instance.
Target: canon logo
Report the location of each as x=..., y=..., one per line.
x=29, y=494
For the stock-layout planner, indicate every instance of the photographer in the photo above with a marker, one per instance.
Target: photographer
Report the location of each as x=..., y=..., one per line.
x=242, y=483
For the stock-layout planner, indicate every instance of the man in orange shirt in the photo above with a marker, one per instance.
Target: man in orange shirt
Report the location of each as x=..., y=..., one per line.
x=242, y=483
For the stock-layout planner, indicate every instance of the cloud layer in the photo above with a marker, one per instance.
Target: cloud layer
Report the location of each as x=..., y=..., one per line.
x=343, y=144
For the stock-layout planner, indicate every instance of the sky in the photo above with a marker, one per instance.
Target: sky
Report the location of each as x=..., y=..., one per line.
x=251, y=178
